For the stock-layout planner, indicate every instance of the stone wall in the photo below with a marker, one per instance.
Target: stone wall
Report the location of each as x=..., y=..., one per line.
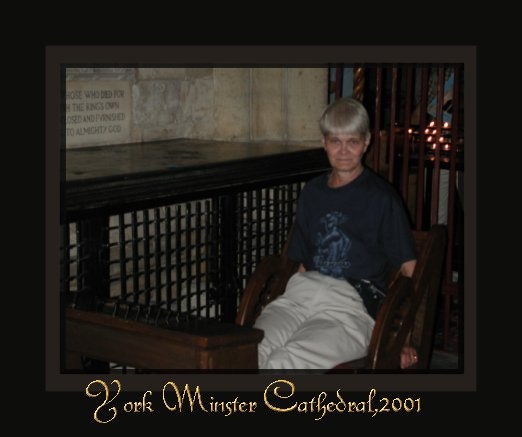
x=125, y=105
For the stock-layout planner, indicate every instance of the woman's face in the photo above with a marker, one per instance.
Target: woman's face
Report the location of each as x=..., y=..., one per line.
x=345, y=151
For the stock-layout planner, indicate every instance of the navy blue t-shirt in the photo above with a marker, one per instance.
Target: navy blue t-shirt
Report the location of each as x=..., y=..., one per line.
x=356, y=231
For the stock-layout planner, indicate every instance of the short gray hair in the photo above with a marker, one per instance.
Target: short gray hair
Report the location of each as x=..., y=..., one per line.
x=346, y=115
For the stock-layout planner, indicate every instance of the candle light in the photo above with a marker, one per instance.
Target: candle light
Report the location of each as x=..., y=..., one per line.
x=446, y=125
x=429, y=139
x=446, y=146
x=432, y=123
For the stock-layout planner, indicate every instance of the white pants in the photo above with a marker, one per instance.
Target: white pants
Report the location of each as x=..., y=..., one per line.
x=317, y=323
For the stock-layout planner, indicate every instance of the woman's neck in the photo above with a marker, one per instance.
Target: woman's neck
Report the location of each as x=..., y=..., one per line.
x=337, y=178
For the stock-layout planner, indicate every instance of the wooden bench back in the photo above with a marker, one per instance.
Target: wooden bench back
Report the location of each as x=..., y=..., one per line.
x=407, y=314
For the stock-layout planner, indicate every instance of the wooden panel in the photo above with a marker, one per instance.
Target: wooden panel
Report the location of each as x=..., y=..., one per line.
x=205, y=344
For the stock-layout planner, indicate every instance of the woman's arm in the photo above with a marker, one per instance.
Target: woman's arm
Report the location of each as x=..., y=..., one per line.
x=408, y=353
x=408, y=267
x=408, y=357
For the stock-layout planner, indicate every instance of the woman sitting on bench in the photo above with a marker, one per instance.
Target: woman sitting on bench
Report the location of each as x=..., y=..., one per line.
x=351, y=227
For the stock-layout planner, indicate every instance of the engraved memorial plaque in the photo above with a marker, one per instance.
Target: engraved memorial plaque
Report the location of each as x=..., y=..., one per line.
x=97, y=112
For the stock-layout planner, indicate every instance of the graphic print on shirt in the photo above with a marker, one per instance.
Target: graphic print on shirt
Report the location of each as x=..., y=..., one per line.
x=332, y=246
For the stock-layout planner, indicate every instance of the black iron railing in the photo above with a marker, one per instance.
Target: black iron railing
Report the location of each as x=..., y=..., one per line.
x=176, y=234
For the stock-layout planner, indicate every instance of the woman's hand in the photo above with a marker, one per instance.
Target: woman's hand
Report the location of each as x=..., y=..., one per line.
x=408, y=357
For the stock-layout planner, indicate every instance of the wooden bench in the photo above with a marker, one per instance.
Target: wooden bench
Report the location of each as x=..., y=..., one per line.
x=407, y=315
x=188, y=344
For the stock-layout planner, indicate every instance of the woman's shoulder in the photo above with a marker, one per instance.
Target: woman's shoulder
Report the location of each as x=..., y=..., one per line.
x=317, y=182
x=378, y=182
x=383, y=191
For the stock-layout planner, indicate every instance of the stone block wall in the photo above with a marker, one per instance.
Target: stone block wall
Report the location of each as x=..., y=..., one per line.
x=125, y=105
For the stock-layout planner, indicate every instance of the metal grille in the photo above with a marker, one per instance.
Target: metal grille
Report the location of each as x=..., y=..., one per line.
x=189, y=259
x=70, y=276
x=164, y=257
x=264, y=220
